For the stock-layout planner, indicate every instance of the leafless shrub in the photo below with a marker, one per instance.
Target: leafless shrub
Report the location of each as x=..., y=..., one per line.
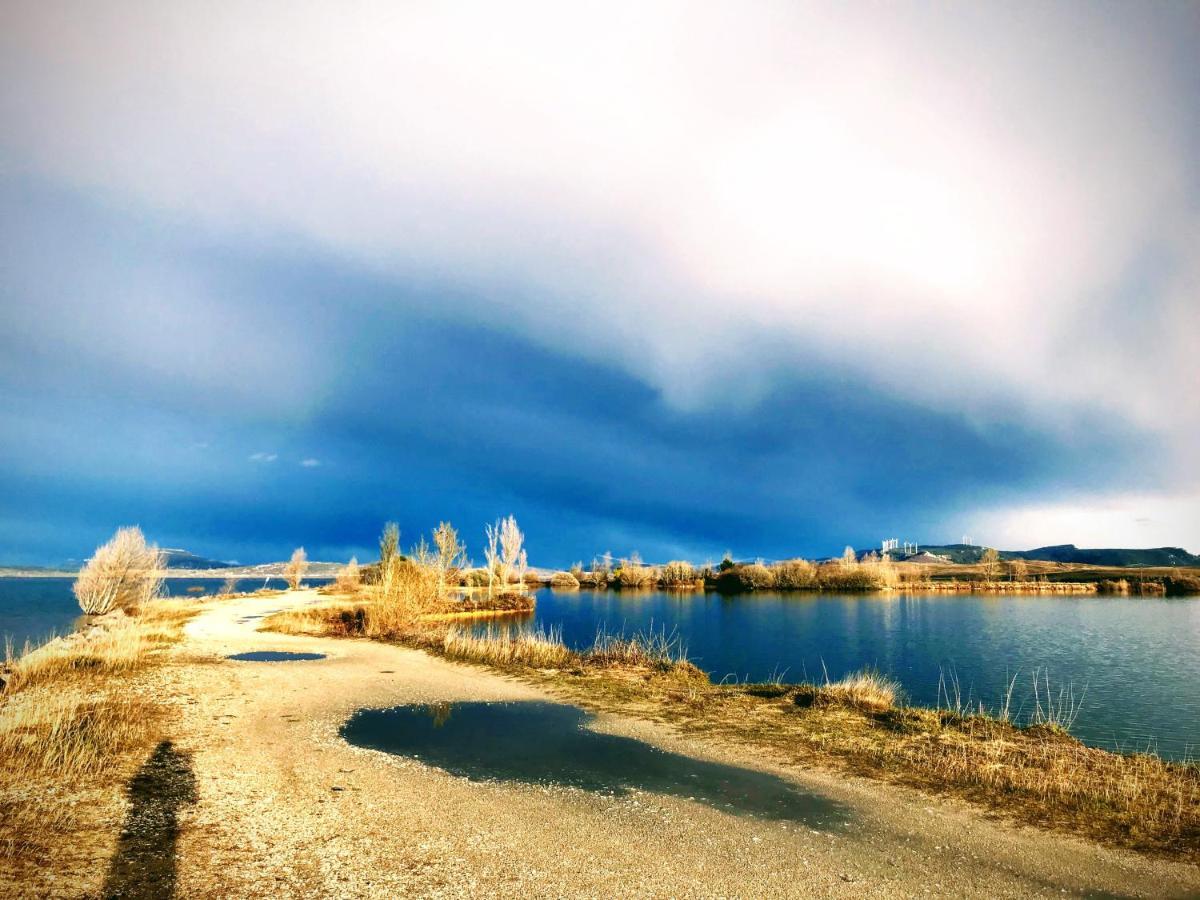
x=294, y=571
x=349, y=579
x=678, y=573
x=795, y=575
x=564, y=581
x=228, y=587
x=632, y=574
x=757, y=577
x=450, y=554
x=1018, y=570
x=122, y=574
x=990, y=562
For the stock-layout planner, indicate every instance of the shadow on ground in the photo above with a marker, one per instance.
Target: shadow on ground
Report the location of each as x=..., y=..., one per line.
x=144, y=864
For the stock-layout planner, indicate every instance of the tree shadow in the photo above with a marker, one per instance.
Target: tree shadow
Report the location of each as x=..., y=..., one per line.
x=144, y=864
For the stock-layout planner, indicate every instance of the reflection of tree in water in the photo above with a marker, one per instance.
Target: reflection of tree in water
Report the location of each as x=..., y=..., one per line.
x=144, y=864
x=440, y=713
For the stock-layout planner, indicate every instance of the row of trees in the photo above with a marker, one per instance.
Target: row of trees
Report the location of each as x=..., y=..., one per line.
x=127, y=571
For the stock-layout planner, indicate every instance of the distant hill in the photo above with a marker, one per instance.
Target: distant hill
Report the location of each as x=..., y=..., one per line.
x=1069, y=553
x=182, y=559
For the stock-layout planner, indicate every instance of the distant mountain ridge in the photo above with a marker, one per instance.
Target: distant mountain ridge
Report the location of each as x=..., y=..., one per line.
x=183, y=559
x=1068, y=553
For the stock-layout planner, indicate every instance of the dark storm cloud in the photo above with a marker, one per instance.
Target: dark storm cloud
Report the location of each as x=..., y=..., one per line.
x=418, y=416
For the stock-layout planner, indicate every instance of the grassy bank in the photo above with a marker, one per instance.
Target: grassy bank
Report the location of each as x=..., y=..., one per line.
x=1037, y=774
x=872, y=574
x=74, y=725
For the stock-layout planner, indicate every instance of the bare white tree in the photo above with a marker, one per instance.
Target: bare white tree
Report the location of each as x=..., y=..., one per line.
x=522, y=565
x=296, y=567
x=121, y=573
x=491, y=552
x=449, y=553
x=512, y=541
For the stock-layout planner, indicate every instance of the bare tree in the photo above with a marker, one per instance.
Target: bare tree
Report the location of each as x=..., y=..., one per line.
x=294, y=571
x=491, y=552
x=1019, y=569
x=522, y=565
x=229, y=587
x=121, y=573
x=512, y=541
x=849, y=557
x=450, y=555
x=991, y=563
x=389, y=556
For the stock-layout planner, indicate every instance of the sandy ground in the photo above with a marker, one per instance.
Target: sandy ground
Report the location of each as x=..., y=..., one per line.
x=282, y=807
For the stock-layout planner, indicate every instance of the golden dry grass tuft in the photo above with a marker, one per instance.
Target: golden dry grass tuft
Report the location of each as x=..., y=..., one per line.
x=73, y=724
x=866, y=690
x=536, y=648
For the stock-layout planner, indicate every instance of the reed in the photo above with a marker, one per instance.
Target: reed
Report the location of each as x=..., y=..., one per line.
x=644, y=649
x=536, y=648
x=863, y=690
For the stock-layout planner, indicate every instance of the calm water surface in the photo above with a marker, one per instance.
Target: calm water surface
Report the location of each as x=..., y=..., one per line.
x=551, y=743
x=1134, y=662
x=35, y=609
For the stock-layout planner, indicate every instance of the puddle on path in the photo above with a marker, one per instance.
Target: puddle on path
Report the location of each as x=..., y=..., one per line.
x=549, y=743
x=274, y=656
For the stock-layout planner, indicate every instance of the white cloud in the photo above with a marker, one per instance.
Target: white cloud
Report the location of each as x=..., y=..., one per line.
x=264, y=457
x=310, y=463
x=1116, y=520
x=943, y=199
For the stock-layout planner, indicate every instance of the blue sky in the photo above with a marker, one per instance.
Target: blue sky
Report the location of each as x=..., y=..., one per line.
x=673, y=280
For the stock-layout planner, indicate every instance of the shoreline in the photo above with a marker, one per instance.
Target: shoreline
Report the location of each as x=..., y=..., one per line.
x=1011, y=761
x=273, y=780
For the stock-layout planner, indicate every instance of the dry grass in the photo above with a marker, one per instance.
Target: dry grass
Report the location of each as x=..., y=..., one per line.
x=644, y=650
x=867, y=691
x=564, y=581
x=1037, y=774
x=410, y=591
x=349, y=578
x=536, y=649
x=73, y=725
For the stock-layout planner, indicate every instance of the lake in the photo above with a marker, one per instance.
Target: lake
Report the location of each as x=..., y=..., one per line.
x=1134, y=664
x=35, y=609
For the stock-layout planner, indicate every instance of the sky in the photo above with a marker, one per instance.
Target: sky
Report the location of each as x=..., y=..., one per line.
x=671, y=278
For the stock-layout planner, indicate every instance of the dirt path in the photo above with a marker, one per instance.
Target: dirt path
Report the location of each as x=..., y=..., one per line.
x=278, y=805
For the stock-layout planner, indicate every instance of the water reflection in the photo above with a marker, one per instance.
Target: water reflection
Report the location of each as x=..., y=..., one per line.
x=550, y=743
x=1136, y=656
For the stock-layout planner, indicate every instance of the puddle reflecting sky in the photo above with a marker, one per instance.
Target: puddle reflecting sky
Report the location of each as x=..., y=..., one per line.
x=549, y=743
x=274, y=656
